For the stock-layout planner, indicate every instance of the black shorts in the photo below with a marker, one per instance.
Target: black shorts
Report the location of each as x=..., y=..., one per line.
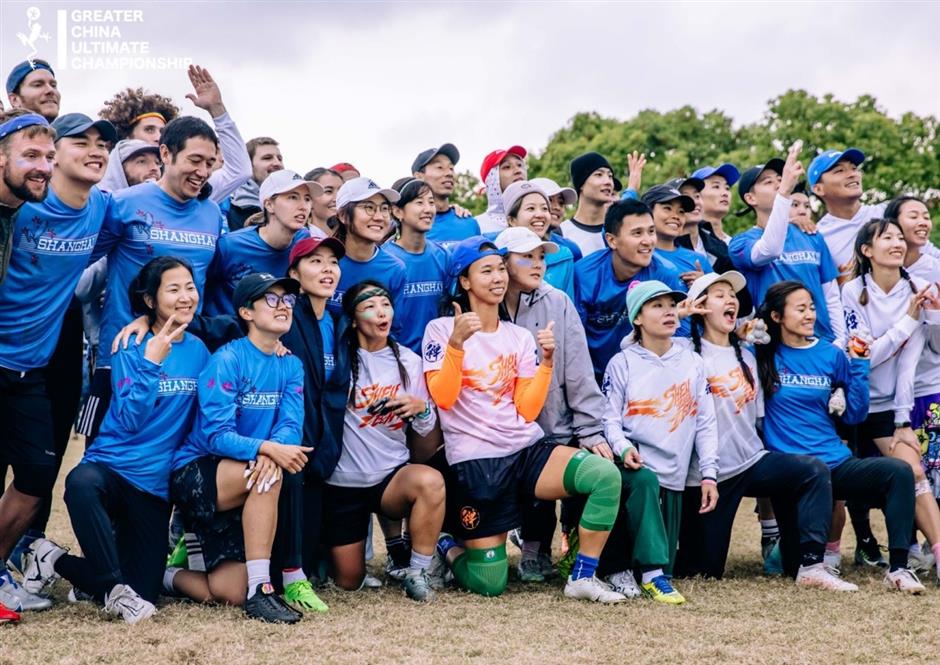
x=876, y=426
x=347, y=510
x=489, y=493
x=26, y=433
x=99, y=398
x=193, y=490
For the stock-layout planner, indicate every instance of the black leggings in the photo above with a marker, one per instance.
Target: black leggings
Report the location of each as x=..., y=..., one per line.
x=801, y=493
x=121, y=530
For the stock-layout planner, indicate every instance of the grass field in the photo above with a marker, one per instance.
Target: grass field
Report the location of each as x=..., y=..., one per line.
x=744, y=619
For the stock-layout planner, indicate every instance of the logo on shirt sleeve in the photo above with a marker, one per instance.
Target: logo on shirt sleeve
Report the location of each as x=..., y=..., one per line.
x=433, y=352
x=605, y=385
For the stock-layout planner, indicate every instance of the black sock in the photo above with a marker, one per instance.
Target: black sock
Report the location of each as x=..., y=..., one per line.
x=897, y=559
x=811, y=553
x=398, y=551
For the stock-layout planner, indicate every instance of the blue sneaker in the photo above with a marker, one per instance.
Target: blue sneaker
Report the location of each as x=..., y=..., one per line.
x=773, y=562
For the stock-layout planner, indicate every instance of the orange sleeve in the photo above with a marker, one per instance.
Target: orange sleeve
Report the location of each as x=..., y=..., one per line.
x=530, y=393
x=444, y=383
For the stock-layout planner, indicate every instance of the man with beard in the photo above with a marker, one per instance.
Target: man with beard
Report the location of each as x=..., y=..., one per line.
x=53, y=237
x=33, y=86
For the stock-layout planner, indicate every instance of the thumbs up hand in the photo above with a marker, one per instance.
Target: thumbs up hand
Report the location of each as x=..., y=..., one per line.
x=546, y=340
x=464, y=327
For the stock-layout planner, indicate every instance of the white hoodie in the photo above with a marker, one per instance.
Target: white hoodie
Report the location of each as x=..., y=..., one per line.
x=661, y=405
x=494, y=219
x=927, y=376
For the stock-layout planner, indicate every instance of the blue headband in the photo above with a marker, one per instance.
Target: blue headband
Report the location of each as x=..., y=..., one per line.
x=21, y=122
x=24, y=69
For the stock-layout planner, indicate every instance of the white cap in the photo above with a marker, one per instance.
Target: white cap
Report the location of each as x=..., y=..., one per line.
x=700, y=286
x=285, y=181
x=552, y=188
x=362, y=188
x=520, y=239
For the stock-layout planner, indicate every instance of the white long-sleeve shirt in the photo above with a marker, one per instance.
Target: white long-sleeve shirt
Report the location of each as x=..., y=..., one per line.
x=927, y=374
x=661, y=406
x=236, y=170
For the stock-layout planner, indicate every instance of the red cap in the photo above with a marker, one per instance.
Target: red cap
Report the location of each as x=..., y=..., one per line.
x=495, y=157
x=308, y=245
x=343, y=166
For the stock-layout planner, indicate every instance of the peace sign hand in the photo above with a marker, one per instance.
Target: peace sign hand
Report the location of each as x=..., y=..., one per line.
x=158, y=347
x=688, y=307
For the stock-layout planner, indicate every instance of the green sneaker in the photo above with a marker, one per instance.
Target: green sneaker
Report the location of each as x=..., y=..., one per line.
x=179, y=557
x=529, y=571
x=566, y=563
x=301, y=597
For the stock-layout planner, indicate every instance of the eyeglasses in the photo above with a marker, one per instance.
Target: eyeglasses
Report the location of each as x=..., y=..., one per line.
x=370, y=209
x=273, y=300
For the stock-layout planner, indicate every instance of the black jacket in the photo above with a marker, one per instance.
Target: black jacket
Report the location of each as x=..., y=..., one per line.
x=324, y=401
x=717, y=248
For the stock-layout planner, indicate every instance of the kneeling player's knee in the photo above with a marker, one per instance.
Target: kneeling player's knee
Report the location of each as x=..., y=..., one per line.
x=483, y=571
x=600, y=480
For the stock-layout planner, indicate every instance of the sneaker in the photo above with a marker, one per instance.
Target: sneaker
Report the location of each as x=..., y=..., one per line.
x=904, y=579
x=179, y=557
x=19, y=599
x=40, y=570
x=546, y=567
x=530, y=571
x=269, y=607
x=660, y=589
x=123, y=601
x=418, y=586
x=773, y=563
x=819, y=576
x=371, y=582
x=7, y=615
x=869, y=554
x=921, y=560
x=625, y=584
x=393, y=572
x=833, y=561
x=302, y=598
x=515, y=537
x=76, y=595
x=591, y=588
x=438, y=572
x=566, y=562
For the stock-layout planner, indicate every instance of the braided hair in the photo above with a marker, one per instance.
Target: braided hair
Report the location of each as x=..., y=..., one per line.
x=698, y=325
x=866, y=236
x=365, y=289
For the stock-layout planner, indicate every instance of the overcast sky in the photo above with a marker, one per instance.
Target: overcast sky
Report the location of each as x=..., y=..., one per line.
x=374, y=83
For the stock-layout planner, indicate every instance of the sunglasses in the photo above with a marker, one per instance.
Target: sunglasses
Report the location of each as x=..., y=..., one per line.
x=273, y=300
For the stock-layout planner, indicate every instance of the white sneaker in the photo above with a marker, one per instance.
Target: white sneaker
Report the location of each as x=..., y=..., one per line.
x=818, y=576
x=833, y=560
x=123, y=601
x=921, y=560
x=18, y=599
x=76, y=595
x=371, y=582
x=40, y=565
x=904, y=579
x=591, y=588
x=625, y=584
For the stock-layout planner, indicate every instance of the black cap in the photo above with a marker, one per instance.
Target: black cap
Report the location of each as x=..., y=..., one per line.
x=751, y=175
x=691, y=181
x=584, y=165
x=253, y=286
x=75, y=124
x=665, y=193
x=425, y=157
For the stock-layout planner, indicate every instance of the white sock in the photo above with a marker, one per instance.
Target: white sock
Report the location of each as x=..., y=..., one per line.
x=168, y=576
x=650, y=575
x=259, y=572
x=769, y=528
x=420, y=561
x=291, y=575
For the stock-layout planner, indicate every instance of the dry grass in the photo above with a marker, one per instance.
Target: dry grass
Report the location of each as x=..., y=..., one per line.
x=743, y=619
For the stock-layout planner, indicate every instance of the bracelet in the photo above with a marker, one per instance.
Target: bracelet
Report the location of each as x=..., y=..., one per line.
x=424, y=415
x=709, y=481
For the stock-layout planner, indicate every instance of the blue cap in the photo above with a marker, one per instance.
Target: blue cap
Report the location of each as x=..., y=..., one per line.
x=75, y=124
x=830, y=158
x=469, y=251
x=641, y=293
x=23, y=70
x=727, y=171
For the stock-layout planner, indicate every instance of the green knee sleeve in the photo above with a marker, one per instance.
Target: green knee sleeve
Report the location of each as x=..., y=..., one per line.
x=600, y=480
x=482, y=571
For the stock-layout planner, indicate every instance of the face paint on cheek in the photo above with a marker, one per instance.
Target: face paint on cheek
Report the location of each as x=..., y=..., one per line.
x=367, y=315
x=524, y=263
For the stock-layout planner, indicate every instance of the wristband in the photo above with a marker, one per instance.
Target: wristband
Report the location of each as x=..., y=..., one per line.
x=902, y=424
x=709, y=481
x=424, y=415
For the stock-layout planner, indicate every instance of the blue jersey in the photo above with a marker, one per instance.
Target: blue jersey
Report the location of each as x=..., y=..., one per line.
x=796, y=415
x=328, y=334
x=425, y=277
x=383, y=268
x=52, y=244
x=150, y=414
x=684, y=259
x=573, y=246
x=601, y=300
x=805, y=259
x=449, y=229
x=246, y=397
x=241, y=253
x=144, y=222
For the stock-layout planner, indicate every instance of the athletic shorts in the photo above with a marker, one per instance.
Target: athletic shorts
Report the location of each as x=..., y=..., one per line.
x=347, y=511
x=193, y=490
x=99, y=398
x=26, y=434
x=489, y=493
x=877, y=425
